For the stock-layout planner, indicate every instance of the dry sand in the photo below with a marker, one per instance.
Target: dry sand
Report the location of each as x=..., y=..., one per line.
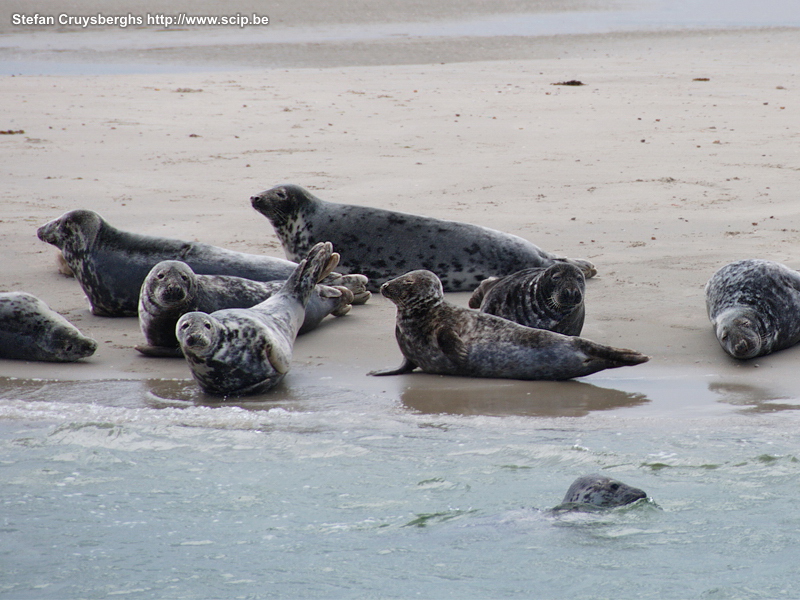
x=679, y=154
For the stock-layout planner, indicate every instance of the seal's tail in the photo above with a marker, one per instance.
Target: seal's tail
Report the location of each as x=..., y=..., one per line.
x=321, y=260
x=588, y=268
x=607, y=357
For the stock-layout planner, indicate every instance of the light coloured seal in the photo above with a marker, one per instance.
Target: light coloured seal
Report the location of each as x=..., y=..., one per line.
x=754, y=307
x=383, y=244
x=441, y=338
x=31, y=330
x=549, y=298
x=598, y=491
x=172, y=289
x=240, y=351
x=111, y=264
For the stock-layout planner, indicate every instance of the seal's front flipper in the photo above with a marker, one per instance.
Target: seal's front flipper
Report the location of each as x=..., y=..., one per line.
x=404, y=368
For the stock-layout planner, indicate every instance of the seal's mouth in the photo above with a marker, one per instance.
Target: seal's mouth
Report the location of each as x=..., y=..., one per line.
x=172, y=294
x=46, y=233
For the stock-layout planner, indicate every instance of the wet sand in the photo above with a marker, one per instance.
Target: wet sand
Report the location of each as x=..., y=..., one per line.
x=678, y=155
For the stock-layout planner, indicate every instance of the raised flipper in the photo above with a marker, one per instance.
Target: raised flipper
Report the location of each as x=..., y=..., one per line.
x=480, y=292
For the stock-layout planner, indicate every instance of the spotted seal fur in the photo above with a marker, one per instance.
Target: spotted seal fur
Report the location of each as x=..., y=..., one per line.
x=542, y=297
x=172, y=289
x=111, y=264
x=754, y=307
x=439, y=337
x=240, y=351
x=599, y=491
x=31, y=330
x=383, y=244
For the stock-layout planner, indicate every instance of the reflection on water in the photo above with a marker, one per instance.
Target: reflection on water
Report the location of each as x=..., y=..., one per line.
x=462, y=396
x=754, y=398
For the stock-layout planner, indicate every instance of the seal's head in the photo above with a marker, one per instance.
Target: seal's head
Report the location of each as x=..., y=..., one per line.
x=67, y=344
x=283, y=203
x=739, y=332
x=72, y=232
x=602, y=492
x=170, y=285
x=562, y=286
x=414, y=291
x=198, y=334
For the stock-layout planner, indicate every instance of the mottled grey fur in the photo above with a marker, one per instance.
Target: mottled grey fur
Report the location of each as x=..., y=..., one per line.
x=383, y=244
x=439, y=337
x=541, y=297
x=31, y=330
x=239, y=351
x=754, y=307
x=172, y=289
x=111, y=264
x=601, y=491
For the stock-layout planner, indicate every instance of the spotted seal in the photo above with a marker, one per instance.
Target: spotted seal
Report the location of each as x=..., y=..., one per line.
x=598, y=491
x=239, y=351
x=439, y=337
x=542, y=297
x=383, y=244
x=31, y=330
x=111, y=264
x=754, y=307
x=172, y=289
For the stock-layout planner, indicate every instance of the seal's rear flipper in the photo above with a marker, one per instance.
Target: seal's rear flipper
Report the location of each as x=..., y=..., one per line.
x=159, y=351
x=404, y=368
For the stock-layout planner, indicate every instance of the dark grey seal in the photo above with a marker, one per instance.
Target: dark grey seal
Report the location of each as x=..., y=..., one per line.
x=542, y=297
x=111, y=264
x=240, y=351
x=754, y=306
x=598, y=492
x=172, y=289
x=31, y=330
x=383, y=244
x=439, y=337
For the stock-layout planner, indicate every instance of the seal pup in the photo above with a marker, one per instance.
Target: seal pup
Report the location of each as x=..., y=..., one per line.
x=111, y=264
x=441, y=338
x=31, y=330
x=172, y=289
x=239, y=351
x=542, y=297
x=383, y=244
x=598, y=491
x=754, y=307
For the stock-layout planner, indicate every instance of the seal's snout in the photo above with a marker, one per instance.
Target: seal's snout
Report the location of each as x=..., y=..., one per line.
x=255, y=201
x=173, y=293
x=44, y=233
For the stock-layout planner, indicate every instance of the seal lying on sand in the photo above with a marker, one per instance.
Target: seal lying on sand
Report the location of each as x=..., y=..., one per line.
x=439, y=337
x=754, y=306
x=383, y=244
x=31, y=330
x=543, y=298
x=240, y=351
x=172, y=289
x=598, y=491
x=111, y=264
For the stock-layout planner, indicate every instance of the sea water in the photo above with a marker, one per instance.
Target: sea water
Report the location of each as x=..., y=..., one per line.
x=412, y=487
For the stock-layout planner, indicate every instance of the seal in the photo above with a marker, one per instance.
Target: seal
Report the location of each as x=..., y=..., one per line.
x=599, y=491
x=441, y=338
x=172, y=289
x=31, y=330
x=542, y=297
x=754, y=307
x=240, y=351
x=383, y=244
x=111, y=264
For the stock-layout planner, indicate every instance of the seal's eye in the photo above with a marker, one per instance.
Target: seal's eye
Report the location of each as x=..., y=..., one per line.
x=207, y=325
x=184, y=278
x=160, y=276
x=281, y=193
x=614, y=487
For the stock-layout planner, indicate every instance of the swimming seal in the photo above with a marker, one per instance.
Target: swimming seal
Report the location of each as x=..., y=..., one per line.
x=31, y=330
x=172, y=289
x=543, y=298
x=439, y=337
x=239, y=351
x=754, y=307
x=599, y=491
x=111, y=264
x=383, y=244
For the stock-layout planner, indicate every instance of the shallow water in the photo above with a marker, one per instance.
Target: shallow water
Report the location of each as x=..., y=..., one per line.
x=425, y=486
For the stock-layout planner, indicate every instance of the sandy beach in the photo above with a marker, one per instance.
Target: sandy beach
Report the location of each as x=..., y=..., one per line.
x=677, y=155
